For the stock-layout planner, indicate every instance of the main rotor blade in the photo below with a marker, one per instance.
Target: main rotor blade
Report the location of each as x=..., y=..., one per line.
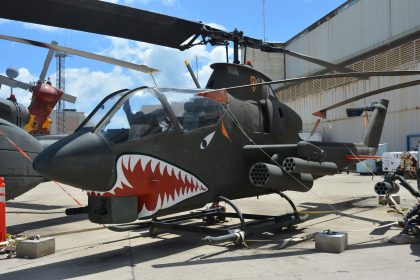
x=323, y=63
x=14, y=83
x=104, y=18
x=329, y=76
x=323, y=113
x=274, y=48
x=141, y=68
x=135, y=24
x=47, y=63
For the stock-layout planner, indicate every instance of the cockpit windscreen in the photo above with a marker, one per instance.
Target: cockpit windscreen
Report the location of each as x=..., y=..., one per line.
x=148, y=111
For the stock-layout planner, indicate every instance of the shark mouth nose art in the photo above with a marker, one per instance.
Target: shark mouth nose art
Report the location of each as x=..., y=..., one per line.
x=158, y=184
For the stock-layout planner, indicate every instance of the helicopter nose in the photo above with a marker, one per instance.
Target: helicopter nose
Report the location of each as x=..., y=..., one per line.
x=84, y=161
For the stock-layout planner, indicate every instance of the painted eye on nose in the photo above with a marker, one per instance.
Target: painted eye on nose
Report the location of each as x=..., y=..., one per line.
x=206, y=141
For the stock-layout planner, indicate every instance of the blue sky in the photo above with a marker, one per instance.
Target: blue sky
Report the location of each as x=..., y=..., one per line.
x=91, y=81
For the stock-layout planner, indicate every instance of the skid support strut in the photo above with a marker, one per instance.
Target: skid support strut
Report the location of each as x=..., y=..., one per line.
x=248, y=225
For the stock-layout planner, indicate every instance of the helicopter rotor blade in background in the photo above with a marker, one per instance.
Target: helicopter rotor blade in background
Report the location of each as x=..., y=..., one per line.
x=137, y=67
x=139, y=25
x=47, y=63
x=14, y=83
x=323, y=112
x=69, y=98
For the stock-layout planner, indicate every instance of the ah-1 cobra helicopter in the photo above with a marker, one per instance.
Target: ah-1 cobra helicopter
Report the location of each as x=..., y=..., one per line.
x=181, y=149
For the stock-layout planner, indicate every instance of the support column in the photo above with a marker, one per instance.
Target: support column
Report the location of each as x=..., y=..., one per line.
x=2, y=210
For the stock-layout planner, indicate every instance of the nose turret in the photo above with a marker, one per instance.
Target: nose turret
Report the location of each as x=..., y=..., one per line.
x=81, y=160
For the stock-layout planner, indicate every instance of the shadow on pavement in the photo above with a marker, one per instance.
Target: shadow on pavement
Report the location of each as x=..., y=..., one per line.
x=15, y=229
x=32, y=206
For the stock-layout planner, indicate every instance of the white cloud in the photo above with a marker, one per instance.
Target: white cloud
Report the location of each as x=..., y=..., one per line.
x=40, y=27
x=170, y=62
x=23, y=96
x=90, y=87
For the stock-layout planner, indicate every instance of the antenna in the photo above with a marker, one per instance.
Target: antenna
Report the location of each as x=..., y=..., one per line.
x=263, y=18
x=196, y=66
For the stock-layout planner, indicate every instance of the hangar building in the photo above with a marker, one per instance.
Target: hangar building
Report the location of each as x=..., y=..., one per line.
x=364, y=35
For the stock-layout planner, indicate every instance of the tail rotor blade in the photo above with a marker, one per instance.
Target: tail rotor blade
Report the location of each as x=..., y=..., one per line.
x=47, y=63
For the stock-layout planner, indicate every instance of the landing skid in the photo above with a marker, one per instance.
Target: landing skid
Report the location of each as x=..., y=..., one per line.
x=249, y=223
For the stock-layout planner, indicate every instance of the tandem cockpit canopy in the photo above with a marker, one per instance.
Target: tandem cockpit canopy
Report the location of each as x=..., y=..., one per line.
x=145, y=112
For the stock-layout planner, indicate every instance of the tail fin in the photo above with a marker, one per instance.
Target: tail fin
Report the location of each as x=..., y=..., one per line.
x=374, y=130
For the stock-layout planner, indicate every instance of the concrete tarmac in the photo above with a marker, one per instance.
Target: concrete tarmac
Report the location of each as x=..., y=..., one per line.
x=88, y=251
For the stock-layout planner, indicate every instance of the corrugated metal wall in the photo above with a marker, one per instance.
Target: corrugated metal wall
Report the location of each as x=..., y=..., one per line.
x=271, y=64
x=391, y=59
x=403, y=113
x=361, y=26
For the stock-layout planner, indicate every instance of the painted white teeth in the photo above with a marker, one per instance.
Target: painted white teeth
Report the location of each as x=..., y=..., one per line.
x=170, y=201
x=125, y=161
x=159, y=203
x=145, y=212
x=169, y=169
x=162, y=166
x=134, y=161
x=176, y=172
x=189, y=178
x=182, y=174
x=121, y=177
x=144, y=160
x=190, y=187
x=153, y=164
x=165, y=201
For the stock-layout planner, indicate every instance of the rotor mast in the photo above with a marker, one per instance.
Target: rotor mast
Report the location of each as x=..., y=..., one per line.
x=236, y=36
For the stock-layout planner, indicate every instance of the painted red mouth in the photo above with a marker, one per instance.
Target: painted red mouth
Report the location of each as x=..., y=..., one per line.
x=158, y=184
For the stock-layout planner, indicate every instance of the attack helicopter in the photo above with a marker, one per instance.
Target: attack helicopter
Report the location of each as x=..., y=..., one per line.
x=150, y=152
x=24, y=132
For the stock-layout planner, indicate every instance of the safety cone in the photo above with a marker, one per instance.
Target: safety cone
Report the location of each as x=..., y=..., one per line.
x=2, y=210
